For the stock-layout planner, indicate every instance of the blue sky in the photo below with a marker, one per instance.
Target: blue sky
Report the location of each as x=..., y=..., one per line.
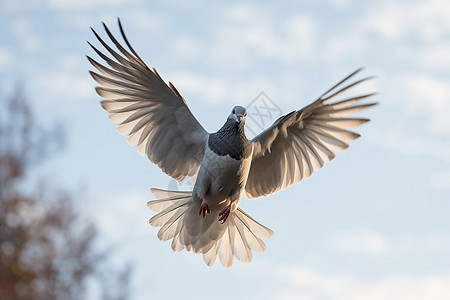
x=373, y=224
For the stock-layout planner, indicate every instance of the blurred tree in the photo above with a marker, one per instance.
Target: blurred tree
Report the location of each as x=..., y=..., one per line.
x=47, y=249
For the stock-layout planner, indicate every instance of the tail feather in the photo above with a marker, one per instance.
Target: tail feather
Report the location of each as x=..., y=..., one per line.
x=238, y=245
x=225, y=251
x=166, y=198
x=251, y=241
x=210, y=256
x=177, y=214
x=176, y=245
x=168, y=230
x=166, y=214
x=165, y=194
x=254, y=226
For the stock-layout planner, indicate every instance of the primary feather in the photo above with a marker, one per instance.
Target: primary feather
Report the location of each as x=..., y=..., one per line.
x=300, y=142
x=153, y=115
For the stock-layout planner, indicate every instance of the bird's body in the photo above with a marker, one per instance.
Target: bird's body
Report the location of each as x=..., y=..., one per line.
x=225, y=163
x=221, y=178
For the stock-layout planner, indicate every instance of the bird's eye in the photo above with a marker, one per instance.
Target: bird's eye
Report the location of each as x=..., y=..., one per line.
x=234, y=111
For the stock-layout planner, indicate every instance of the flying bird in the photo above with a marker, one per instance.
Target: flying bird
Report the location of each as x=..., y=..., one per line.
x=225, y=164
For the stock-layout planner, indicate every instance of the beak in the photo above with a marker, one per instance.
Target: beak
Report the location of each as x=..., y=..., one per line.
x=238, y=118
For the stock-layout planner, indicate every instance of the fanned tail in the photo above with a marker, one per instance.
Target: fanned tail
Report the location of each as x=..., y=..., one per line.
x=177, y=214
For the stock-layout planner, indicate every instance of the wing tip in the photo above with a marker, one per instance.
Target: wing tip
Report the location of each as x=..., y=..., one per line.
x=100, y=91
x=323, y=98
x=104, y=104
x=94, y=75
x=358, y=70
x=90, y=59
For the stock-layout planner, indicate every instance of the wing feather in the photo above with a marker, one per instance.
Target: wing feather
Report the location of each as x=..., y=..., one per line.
x=153, y=114
x=300, y=142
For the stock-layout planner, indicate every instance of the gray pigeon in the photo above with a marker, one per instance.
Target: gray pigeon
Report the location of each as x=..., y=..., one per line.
x=226, y=164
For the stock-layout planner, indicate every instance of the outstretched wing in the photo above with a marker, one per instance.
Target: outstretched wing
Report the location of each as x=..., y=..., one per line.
x=153, y=115
x=298, y=143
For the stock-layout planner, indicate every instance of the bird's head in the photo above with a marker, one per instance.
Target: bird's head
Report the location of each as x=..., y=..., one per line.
x=238, y=114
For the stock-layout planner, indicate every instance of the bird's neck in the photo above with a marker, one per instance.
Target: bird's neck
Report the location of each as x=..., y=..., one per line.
x=232, y=128
x=230, y=140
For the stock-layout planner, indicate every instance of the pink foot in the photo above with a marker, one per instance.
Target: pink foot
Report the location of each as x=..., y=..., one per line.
x=204, y=208
x=225, y=213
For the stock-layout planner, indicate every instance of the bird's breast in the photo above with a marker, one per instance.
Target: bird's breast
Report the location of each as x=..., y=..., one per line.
x=225, y=175
x=231, y=144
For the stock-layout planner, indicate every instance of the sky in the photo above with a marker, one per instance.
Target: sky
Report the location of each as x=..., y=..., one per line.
x=372, y=224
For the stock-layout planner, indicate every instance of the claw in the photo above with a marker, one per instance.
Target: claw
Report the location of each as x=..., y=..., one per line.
x=225, y=213
x=204, y=208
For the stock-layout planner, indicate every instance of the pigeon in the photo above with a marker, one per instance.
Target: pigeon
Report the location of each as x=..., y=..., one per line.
x=224, y=165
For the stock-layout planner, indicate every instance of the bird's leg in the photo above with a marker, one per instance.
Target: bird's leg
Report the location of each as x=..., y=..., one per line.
x=225, y=212
x=204, y=208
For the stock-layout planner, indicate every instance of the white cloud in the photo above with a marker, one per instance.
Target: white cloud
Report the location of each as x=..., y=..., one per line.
x=145, y=21
x=243, y=12
x=428, y=96
x=12, y=6
x=301, y=38
x=427, y=20
x=23, y=30
x=305, y=283
x=116, y=214
x=249, y=34
x=341, y=3
x=58, y=85
x=360, y=241
x=386, y=21
x=350, y=44
x=207, y=88
x=81, y=4
x=415, y=32
x=440, y=180
x=81, y=20
x=434, y=56
x=370, y=242
x=413, y=145
x=425, y=92
x=186, y=47
x=421, y=126
x=6, y=57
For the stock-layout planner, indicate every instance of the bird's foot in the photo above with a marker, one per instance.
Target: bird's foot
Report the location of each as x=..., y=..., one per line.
x=225, y=213
x=204, y=208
